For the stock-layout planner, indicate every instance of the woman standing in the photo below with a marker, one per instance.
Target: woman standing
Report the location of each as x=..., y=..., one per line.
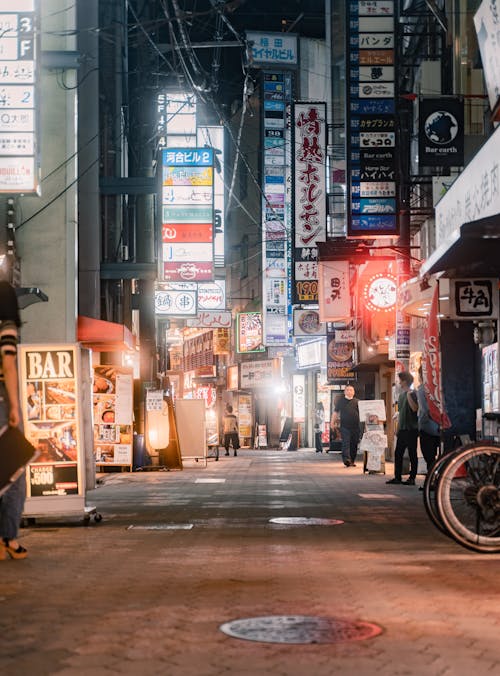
x=319, y=426
x=12, y=501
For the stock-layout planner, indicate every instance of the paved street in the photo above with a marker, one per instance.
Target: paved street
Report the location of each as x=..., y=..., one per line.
x=111, y=599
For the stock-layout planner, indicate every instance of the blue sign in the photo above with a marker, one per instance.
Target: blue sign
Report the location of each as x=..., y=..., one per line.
x=367, y=223
x=373, y=106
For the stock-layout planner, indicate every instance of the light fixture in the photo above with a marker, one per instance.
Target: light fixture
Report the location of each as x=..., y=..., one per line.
x=158, y=427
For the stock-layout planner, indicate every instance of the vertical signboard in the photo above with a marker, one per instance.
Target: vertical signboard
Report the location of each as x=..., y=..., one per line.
x=276, y=208
x=50, y=395
x=309, y=181
x=18, y=97
x=441, y=132
x=187, y=214
x=113, y=411
x=370, y=120
x=334, y=291
x=214, y=138
x=249, y=332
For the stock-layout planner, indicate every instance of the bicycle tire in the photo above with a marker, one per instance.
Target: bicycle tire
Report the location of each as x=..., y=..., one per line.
x=429, y=494
x=468, y=497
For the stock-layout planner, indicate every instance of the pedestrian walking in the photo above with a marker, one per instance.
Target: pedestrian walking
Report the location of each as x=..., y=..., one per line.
x=12, y=501
x=428, y=429
x=407, y=435
x=319, y=426
x=230, y=429
x=346, y=414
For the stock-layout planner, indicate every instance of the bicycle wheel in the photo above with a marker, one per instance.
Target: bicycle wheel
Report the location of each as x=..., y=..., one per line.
x=468, y=497
x=429, y=495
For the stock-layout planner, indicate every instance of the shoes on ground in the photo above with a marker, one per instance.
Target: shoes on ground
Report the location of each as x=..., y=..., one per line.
x=420, y=488
x=235, y=454
x=393, y=481
x=226, y=453
x=13, y=549
x=408, y=482
x=347, y=463
x=353, y=464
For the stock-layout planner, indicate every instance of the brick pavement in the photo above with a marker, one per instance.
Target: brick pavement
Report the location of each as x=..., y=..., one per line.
x=109, y=599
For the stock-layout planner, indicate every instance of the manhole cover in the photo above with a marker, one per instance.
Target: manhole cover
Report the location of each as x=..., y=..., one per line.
x=300, y=629
x=304, y=521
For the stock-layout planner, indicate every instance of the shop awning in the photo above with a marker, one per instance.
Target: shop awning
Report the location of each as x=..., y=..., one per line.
x=104, y=336
x=472, y=251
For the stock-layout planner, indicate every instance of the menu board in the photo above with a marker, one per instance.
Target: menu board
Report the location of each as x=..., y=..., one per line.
x=50, y=401
x=113, y=411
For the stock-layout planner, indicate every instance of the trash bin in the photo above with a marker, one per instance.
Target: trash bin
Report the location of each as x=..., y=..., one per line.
x=140, y=456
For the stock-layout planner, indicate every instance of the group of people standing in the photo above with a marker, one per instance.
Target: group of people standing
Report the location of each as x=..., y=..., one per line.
x=414, y=421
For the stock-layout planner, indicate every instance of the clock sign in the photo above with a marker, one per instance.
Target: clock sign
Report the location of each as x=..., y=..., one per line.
x=379, y=293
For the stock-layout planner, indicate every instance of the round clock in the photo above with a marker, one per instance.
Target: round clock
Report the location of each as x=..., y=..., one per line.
x=380, y=293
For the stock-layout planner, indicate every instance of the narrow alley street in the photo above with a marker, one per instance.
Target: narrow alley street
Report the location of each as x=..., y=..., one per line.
x=178, y=554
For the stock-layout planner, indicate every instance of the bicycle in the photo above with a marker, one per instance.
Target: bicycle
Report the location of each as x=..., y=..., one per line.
x=462, y=496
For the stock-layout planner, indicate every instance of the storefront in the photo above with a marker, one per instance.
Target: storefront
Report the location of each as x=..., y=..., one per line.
x=467, y=263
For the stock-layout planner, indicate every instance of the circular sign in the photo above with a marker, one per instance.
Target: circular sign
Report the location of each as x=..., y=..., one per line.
x=441, y=127
x=211, y=296
x=380, y=293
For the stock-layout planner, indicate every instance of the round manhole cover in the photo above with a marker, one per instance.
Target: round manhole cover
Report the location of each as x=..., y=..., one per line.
x=304, y=521
x=300, y=629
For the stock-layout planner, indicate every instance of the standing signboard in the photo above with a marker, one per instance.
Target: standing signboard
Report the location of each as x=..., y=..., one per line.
x=51, y=393
x=113, y=412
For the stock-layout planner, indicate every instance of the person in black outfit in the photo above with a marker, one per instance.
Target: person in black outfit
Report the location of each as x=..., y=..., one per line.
x=347, y=412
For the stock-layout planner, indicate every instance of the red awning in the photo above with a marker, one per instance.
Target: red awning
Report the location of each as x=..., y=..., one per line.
x=104, y=336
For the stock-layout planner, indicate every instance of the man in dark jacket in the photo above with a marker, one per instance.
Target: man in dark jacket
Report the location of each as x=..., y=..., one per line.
x=347, y=412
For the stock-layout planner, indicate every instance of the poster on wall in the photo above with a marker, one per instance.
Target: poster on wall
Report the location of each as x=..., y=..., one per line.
x=50, y=396
x=245, y=418
x=113, y=413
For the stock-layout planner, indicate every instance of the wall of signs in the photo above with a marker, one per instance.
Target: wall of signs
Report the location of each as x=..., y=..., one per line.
x=309, y=164
x=187, y=214
x=113, y=412
x=19, y=90
x=276, y=207
x=50, y=395
x=371, y=122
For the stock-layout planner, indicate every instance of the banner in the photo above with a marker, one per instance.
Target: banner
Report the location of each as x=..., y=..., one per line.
x=431, y=365
x=441, y=132
x=334, y=291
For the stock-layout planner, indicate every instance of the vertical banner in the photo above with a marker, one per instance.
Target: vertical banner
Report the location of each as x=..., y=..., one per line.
x=370, y=120
x=19, y=86
x=187, y=215
x=298, y=397
x=214, y=138
x=431, y=365
x=276, y=208
x=50, y=395
x=309, y=182
x=334, y=291
x=441, y=132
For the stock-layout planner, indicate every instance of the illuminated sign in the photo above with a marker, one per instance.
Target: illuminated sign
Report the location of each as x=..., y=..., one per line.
x=187, y=210
x=18, y=97
x=249, y=332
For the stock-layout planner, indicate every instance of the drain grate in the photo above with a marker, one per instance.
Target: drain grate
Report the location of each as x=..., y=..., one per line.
x=163, y=526
x=304, y=521
x=300, y=629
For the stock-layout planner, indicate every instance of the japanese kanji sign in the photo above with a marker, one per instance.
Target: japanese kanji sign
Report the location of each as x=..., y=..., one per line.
x=474, y=298
x=334, y=291
x=309, y=163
